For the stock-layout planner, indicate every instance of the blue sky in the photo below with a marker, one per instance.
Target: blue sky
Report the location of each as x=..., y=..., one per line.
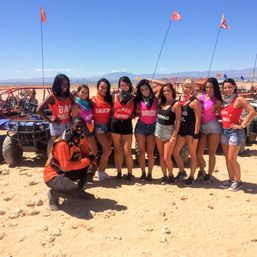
x=83, y=38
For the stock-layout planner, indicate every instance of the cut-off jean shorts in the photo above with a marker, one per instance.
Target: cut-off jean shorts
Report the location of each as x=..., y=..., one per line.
x=101, y=128
x=164, y=132
x=144, y=129
x=56, y=129
x=232, y=137
x=211, y=127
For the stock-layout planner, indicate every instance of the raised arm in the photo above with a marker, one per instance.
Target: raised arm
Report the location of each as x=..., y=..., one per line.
x=241, y=102
x=43, y=106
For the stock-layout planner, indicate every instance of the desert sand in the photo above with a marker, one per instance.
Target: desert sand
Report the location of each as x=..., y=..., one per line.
x=129, y=218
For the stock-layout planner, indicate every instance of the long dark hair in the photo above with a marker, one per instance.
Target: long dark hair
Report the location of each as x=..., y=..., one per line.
x=126, y=80
x=56, y=87
x=161, y=95
x=216, y=88
x=108, y=97
x=143, y=82
x=231, y=81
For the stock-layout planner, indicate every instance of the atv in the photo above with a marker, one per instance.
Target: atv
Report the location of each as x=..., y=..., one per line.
x=25, y=131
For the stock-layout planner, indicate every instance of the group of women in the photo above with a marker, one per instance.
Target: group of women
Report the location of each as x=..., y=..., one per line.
x=167, y=121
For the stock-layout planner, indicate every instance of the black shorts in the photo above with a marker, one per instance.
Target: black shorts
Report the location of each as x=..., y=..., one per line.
x=123, y=127
x=186, y=130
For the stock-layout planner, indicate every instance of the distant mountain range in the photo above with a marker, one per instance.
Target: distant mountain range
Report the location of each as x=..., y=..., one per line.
x=114, y=77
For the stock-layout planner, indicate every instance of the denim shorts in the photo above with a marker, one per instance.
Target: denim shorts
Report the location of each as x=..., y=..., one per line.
x=144, y=129
x=211, y=127
x=164, y=132
x=101, y=128
x=57, y=129
x=232, y=136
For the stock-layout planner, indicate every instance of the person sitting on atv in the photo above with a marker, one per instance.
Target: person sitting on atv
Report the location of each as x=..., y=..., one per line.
x=69, y=162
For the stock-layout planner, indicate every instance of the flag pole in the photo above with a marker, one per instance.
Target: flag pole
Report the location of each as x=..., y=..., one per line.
x=42, y=60
x=216, y=42
x=161, y=48
x=254, y=69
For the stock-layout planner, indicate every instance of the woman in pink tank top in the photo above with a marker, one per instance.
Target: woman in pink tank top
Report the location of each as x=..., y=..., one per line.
x=211, y=101
x=146, y=108
x=82, y=107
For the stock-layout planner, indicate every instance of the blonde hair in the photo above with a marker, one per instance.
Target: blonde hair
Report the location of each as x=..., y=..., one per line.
x=189, y=82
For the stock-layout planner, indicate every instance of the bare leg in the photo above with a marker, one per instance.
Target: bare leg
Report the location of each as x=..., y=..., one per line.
x=176, y=152
x=213, y=142
x=200, y=151
x=168, y=149
x=127, y=143
x=150, y=145
x=160, y=147
x=92, y=145
x=117, y=144
x=105, y=141
x=228, y=164
x=141, y=145
x=192, y=145
x=233, y=151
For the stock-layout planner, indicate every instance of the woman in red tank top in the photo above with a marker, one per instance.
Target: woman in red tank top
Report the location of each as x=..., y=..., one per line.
x=59, y=102
x=102, y=107
x=233, y=131
x=121, y=125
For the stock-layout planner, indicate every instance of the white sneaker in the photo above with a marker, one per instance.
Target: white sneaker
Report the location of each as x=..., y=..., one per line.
x=102, y=175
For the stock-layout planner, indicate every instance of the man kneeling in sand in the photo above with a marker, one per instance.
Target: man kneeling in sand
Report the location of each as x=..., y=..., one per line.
x=69, y=162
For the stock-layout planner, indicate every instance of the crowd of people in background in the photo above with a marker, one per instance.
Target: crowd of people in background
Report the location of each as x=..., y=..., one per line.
x=86, y=128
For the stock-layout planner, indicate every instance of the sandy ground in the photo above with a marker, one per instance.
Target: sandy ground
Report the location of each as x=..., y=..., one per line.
x=129, y=218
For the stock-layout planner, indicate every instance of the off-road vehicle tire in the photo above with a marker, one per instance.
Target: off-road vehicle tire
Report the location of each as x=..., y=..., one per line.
x=12, y=152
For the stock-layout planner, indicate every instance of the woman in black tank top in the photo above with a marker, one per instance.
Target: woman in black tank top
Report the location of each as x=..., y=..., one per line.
x=167, y=126
x=189, y=130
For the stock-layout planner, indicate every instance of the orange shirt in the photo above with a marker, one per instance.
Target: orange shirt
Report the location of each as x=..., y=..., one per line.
x=101, y=110
x=61, y=109
x=63, y=153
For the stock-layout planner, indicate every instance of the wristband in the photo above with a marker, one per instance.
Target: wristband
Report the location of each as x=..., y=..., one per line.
x=196, y=136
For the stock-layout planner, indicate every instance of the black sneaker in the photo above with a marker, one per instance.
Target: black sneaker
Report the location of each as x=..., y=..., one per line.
x=181, y=175
x=164, y=180
x=149, y=177
x=128, y=177
x=143, y=177
x=189, y=181
x=118, y=176
x=235, y=186
x=208, y=178
x=53, y=200
x=171, y=179
x=200, y=175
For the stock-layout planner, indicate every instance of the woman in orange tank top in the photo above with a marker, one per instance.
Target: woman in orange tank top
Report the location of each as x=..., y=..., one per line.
x=59, y=102
x=102, y=107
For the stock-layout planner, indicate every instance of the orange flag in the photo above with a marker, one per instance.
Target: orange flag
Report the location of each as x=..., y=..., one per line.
x=175, y=16
x=42, y=15
x=223, y=23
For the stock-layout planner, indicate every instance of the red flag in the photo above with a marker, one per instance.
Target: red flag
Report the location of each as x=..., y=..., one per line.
x=175, y=16
x=223, y=23
x=42, y=15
